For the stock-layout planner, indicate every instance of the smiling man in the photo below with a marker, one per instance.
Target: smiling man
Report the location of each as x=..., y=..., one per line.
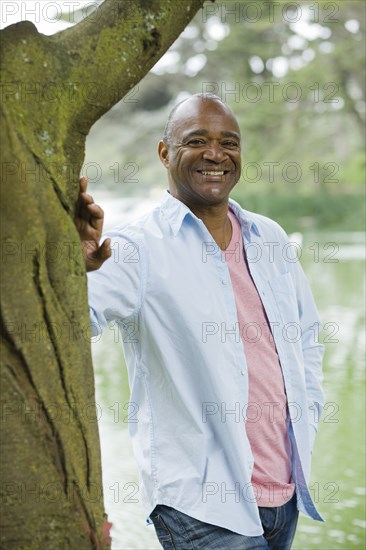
x=220, y=336
x=201, y=151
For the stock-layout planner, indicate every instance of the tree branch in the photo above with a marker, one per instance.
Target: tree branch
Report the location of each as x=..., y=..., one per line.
x=132, y=35
x=67, y=81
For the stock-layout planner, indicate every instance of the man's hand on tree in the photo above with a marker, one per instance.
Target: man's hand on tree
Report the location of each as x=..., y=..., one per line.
x=89, y=219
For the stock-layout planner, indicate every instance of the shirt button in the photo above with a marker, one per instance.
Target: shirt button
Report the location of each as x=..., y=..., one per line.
x=224, y=282
x=242, y=372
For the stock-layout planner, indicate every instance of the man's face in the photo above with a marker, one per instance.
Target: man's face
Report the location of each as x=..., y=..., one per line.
x=203, y=159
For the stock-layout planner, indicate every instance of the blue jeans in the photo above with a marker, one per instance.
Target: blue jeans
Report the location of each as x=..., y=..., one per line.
x=177, y=531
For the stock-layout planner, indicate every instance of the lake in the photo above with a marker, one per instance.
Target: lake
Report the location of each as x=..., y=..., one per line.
x=334, y=264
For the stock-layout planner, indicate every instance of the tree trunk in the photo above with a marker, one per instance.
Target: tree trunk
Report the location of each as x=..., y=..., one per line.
x=54, y=88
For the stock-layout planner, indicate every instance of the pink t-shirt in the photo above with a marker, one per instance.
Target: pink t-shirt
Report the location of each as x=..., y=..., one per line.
x=266, y=412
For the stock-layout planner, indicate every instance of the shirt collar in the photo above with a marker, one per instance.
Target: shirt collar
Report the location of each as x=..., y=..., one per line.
x=247, y=223
x=175, y=211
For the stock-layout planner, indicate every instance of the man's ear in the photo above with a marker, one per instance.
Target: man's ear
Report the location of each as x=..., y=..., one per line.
x=163, y=152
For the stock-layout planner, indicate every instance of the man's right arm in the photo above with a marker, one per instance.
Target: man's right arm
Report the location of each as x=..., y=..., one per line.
x=114, y=286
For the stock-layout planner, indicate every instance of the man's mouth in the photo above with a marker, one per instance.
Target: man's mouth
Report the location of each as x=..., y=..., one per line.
x=213, y=172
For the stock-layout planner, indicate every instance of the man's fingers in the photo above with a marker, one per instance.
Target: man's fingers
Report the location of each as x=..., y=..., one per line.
x=96, y=218
x=83, y=183
x=99, y=256
x=105, y=250
x=84, y=197
x=89, y=222
x=95, y=211
x=92, y=214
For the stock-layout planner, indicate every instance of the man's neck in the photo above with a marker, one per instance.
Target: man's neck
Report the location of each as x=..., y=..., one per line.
x=217, y=222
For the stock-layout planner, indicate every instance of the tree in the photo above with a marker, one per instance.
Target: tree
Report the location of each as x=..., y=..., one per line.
x=54, y=88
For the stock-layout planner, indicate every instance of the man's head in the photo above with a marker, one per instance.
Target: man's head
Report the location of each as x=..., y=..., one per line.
x=201, y=150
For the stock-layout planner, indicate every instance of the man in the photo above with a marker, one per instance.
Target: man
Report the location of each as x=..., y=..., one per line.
x=219, y=330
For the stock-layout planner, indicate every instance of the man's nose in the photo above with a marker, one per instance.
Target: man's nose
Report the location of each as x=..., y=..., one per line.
x=214, y=152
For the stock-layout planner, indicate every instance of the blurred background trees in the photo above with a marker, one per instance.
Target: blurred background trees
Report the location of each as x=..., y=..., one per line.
x=294, y=75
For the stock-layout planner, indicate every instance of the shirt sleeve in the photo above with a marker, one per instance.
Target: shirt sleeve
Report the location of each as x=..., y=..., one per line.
x=115, y=289
x=312, y=349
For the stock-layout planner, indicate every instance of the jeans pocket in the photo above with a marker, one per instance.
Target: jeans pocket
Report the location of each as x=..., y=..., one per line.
x=163, y=533
x=273, y=520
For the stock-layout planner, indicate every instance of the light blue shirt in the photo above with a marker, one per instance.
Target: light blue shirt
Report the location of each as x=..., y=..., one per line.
x=168, y=287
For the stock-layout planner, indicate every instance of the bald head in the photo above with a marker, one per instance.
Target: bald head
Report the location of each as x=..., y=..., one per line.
x=198, y=102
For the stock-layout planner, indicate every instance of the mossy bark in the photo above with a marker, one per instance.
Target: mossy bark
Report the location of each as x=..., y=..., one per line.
x=54, y=88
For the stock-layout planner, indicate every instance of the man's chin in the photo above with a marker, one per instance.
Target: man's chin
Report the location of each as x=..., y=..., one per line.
x=214, y=196
x=214, y=191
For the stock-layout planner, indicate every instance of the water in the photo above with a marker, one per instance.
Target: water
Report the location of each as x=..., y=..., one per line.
x=334, y=265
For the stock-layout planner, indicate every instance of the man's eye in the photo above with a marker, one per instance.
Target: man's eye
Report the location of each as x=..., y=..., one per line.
x=230, y=144
x=195, y=142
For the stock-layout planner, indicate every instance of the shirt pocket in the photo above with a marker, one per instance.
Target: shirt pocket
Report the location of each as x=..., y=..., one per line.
x=283, y=290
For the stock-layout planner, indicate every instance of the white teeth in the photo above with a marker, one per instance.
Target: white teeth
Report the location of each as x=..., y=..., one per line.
x=212, y=173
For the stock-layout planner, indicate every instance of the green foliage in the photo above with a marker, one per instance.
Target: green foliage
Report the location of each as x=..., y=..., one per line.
x=297, y=89
x=295, y=211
